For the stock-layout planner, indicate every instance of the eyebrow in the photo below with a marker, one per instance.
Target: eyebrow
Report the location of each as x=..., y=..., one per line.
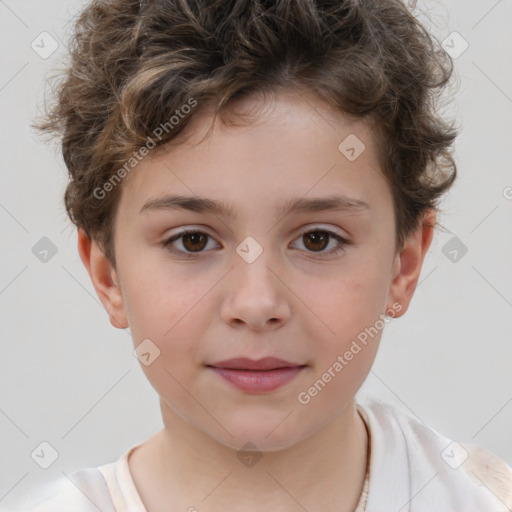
x=301, y=205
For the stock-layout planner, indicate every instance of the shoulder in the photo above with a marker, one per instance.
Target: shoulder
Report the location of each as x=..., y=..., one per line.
x=486, y=469
x=84, y=490
x=460, y=469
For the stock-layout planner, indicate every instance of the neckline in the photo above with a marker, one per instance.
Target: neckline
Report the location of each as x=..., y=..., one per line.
x=129, y=489
x=363, y=497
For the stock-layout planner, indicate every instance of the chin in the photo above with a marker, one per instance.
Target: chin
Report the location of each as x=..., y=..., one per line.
x=266, y=436
x=257, y=443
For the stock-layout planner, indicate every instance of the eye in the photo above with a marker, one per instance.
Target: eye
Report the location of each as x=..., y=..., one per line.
x=194, y=242
x=316, y=240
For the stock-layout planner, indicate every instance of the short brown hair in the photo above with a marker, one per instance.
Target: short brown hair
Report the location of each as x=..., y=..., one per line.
x=134, y=63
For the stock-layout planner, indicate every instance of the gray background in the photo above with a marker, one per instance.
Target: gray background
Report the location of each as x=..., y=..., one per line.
x=70, y=379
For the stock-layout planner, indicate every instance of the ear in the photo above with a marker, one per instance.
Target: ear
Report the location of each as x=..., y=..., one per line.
x=104, y=279
x=408, y=262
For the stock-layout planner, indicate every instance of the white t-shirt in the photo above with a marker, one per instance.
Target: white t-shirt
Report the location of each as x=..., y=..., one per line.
x=413, y=468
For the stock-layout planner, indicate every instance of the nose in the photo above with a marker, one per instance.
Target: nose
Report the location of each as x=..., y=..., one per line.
x=256, y=296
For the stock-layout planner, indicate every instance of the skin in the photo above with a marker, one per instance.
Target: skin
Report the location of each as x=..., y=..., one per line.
x=291, y=302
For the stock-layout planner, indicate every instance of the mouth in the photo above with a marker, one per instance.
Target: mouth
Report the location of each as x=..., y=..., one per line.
x=257, y=376
x=244, y=363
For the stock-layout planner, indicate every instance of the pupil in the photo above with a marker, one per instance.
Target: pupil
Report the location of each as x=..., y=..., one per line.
x=195, y=238
x=317, y=236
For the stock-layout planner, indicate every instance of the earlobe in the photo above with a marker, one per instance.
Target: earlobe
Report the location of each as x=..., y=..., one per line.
x=408, y=263
x=104, y=279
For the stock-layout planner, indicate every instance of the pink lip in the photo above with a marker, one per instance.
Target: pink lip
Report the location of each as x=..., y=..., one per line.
x=244, y=363
x=259, y=376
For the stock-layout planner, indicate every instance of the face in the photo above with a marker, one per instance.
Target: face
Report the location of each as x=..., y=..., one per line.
x=306, y=285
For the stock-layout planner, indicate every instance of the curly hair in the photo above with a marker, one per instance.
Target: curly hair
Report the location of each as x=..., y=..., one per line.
x=132, y=64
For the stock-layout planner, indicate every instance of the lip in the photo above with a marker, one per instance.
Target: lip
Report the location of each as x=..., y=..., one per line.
x=244, y=363
x=257, y=376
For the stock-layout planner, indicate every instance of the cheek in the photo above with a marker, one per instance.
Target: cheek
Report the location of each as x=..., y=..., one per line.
x=160, y=305
x=351, y=298
x=168, y=314
x=351, y=304
x=346, y=348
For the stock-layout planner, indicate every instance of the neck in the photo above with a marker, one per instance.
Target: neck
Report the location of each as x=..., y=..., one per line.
x=324, y=471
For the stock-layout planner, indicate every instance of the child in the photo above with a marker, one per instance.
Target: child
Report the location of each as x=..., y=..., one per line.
x=255, y=186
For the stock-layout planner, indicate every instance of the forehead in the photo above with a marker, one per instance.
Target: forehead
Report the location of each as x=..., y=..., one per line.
x=278, y=147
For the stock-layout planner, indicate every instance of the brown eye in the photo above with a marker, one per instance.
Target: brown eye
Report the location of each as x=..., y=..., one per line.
x=319, y=240
x=194, y=241
x=316, y=240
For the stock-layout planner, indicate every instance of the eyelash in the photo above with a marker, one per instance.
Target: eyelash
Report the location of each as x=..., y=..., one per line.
x=167, y=244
